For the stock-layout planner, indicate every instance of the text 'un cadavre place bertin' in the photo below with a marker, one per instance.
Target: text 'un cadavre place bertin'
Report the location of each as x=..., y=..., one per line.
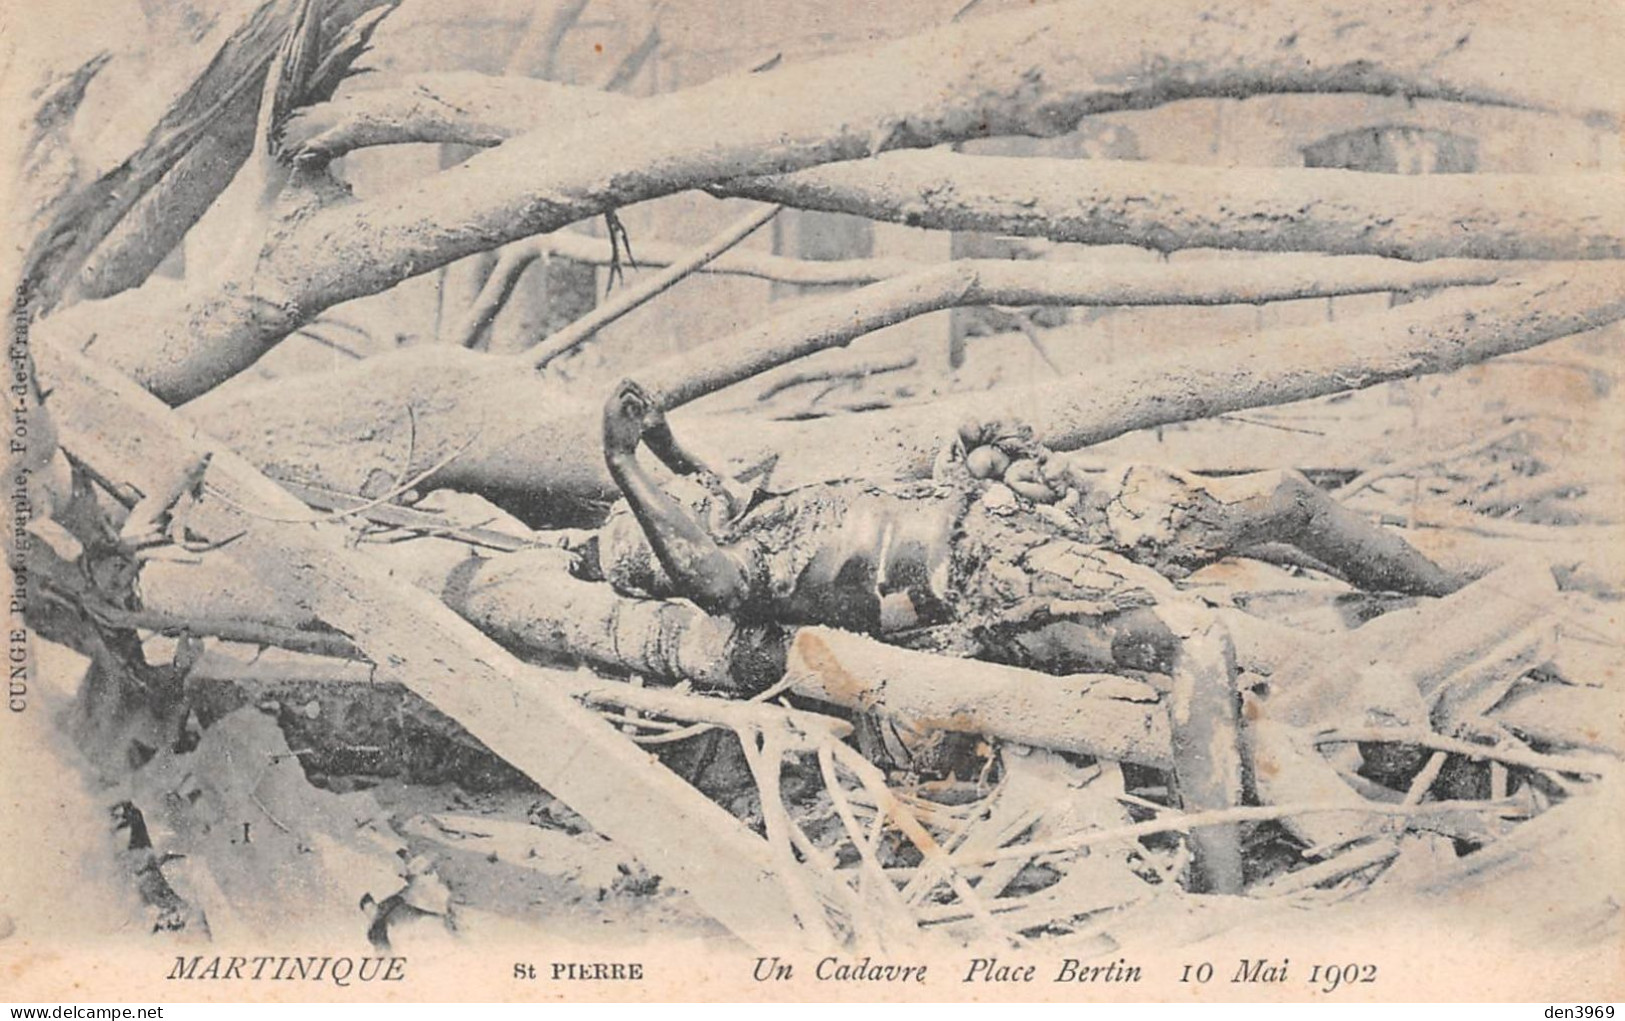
x=977, y=969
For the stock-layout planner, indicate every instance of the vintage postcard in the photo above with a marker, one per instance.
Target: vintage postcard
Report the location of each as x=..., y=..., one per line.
x=814, y=500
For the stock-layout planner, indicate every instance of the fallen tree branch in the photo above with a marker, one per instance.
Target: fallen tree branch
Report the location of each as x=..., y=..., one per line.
x=1355, y=859
x=529, y=601
x=1444, y=332
x=935, y=859
x=580, y=331
x=232, y=629
x=546, y=42
x=120, y=227
x=322, y=429
x=1423, y=653
x=1036, y=72
x=1101, y=715
x=1186, y=822
x=856, y=370
x=1584, y=765
x=446, y=107
x=412, y=519
x=739, y=262
x=498, y=288
x=1170, y=207
x=739, y=715
x=526, y=601
x=672, y=736
x=1158, y=206
x=626, y=72
x=840, y=319
x=1405, y=466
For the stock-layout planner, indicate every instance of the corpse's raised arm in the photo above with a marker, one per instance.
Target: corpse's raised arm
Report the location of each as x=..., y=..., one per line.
x=712, y=576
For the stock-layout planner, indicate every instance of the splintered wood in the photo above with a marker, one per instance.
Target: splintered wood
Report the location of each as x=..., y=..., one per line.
x=434, y=639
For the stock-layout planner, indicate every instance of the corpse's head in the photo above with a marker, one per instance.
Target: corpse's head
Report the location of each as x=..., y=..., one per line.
x=987, y=453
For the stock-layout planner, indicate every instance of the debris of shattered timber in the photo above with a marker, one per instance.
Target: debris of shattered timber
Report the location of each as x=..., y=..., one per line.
x=1027, y=699
x=464, y=639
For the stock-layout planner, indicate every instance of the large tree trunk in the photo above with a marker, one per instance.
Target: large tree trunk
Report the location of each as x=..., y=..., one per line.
x=1167, y=208
x=529, y=601
x=540, y=455
x=1032, y=73
x=116, y=230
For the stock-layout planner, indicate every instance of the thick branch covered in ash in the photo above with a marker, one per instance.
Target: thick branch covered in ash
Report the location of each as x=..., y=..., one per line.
x=838, y=320
x=526, y=600
x=457, y=107
x=1444, y=332
x=1169, y=207
x=117, y=229
x=543, y=451
x=1038, y=72
x=1164, y=207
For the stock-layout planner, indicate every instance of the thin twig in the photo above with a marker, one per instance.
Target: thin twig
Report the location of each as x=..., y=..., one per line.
x=1029, y=329
x=784, y=684
x=765, y=762
x=1424, y=778
x=1595, y=766
x=310, y=334
x=578, y=332
x=494, y=295
x=1222, y=817
x=254, y=796
x=858, y=370
x=1428, y=460
x=315, y=519
x=809, y=728
x=627, y=70
x=866, y=922
x=1362, y=855
x=1262, y=424
x=843, y=809
x=548, y=42
x=933, y=853
x=749, y=263
x=248, y=632
x=1355, y=859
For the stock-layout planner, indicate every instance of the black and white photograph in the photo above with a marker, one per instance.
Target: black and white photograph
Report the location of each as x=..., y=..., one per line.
x=814, y=500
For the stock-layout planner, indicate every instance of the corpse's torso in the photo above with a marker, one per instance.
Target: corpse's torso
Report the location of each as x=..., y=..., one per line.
x=853, y=555
x=910, y=558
